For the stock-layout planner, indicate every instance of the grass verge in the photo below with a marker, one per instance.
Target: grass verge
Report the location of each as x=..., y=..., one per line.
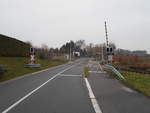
x=15, y=66
x=137, y=81
x=86, y=72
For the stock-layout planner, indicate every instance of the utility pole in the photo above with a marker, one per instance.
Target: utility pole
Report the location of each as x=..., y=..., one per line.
x=70, y=50
x=102, y=53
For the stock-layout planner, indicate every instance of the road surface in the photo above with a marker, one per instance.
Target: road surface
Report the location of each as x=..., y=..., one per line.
x=57, y=90
x=63, y=90
x=115, y=97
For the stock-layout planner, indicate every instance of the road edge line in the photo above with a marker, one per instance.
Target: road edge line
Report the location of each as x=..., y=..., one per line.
x=92, y=97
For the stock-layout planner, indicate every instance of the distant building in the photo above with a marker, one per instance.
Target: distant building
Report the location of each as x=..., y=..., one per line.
x=124, y=52
x=76, y=54
x=139, y=53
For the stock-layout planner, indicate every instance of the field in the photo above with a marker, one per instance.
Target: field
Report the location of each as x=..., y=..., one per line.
x=15, y=66
x=132, y=64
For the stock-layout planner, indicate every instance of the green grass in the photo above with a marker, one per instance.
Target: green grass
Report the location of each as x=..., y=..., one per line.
x=138, y=81
x=86, y=72
x=15, y=66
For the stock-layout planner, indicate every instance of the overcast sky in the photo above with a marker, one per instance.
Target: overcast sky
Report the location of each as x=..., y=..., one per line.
x=54, y=22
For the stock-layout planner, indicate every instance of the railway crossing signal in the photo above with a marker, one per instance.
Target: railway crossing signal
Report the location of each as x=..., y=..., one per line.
x=32, y=55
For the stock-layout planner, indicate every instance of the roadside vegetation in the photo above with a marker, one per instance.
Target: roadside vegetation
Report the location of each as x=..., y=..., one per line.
x=86, y=71
x=14, y=66
x=132, y=63
x=136, y=71
x=137, y=81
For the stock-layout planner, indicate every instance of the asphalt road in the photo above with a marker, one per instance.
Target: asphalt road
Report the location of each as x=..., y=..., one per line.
x=63, y=90
x=115, y=97
x=57, y=90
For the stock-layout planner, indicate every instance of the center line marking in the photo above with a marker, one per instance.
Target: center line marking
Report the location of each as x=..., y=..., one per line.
x=33, y=91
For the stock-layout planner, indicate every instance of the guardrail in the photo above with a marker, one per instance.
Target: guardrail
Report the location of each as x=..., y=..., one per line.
x=114, y=70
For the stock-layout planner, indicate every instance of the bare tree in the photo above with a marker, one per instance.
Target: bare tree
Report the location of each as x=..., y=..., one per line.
x=80, y=44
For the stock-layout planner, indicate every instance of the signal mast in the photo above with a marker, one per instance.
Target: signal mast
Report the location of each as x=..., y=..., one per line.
x=109, y=50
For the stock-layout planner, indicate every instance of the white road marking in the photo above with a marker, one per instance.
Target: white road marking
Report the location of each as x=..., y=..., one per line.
x=33, y=91
x=128, y=89
x=68, y=75
x=92, y=97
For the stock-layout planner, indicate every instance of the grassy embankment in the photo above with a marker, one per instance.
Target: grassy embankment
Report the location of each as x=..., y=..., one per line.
x=137, y=81
x=15, y=66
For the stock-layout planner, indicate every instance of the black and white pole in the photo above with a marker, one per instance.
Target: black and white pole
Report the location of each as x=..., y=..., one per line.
x=109, y=50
